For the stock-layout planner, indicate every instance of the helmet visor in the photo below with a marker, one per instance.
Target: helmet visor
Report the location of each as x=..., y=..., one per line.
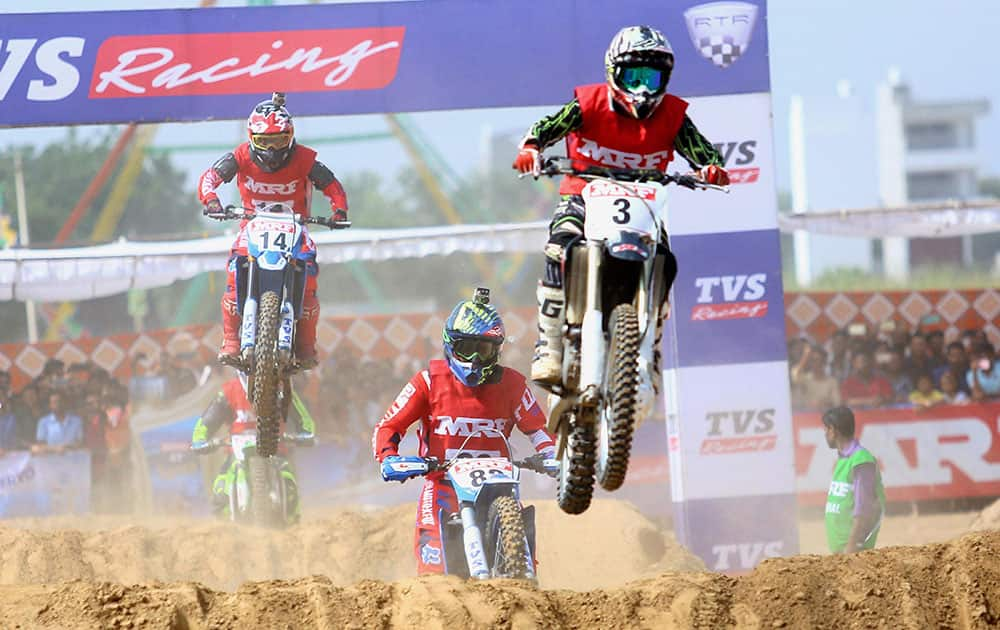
x=265, y=141
x=634, y=78
x=469, y=349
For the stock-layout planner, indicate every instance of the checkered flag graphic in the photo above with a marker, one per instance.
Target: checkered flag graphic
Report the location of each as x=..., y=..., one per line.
x=720, y=49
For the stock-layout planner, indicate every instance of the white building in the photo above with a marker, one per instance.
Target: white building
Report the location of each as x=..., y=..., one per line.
x=926, y=152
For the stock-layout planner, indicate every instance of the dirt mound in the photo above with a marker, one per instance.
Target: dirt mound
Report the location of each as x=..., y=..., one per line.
x=954, y=585
x=609, y=545
x=989, y=518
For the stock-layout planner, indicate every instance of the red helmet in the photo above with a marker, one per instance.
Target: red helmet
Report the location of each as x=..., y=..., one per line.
x=271, y=133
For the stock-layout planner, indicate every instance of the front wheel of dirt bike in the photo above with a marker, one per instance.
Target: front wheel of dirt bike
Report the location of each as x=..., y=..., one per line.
x=576, y=474
x=260, y=499
x=617, y=416
x=266, y=381
x=507, y=540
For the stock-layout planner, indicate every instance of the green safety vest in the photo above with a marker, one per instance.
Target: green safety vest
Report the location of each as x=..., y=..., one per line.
x=840, y=501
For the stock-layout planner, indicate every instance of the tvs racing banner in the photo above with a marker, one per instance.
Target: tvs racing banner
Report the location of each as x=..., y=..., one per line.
x=197, y=64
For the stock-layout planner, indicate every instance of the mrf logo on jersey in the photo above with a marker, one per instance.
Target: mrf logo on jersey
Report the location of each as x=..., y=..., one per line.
x=730, y=297
x=741, y=431
x=621, y=159
x=739, y=158
x=464, y=427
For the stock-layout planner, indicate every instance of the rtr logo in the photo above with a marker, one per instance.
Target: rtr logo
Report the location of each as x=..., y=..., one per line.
x=730, y=297
x=721, y=31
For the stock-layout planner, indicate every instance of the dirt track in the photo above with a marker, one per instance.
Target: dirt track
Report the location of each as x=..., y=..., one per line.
x=955, y=585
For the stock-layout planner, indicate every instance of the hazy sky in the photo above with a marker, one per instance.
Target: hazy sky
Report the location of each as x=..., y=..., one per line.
x=944, y=51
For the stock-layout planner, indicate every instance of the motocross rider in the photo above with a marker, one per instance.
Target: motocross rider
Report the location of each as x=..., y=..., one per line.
x=271, y=168
x=629, y=121
x=231, y=407
x=451, y=399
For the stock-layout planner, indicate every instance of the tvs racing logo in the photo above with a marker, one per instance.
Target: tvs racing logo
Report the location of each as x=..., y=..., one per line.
x=239, y=63
x=738, y=158
x=621, y=159
x=741, y=297
x=739, y=432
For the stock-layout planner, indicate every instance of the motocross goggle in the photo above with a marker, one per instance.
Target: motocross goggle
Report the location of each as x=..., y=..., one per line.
x=469, y=349
x=633, y=78
x=265, y=141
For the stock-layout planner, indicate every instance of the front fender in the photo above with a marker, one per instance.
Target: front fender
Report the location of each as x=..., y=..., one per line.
x=629, y=246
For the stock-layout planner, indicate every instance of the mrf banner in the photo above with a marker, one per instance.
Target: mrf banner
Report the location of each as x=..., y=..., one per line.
x=197, y=64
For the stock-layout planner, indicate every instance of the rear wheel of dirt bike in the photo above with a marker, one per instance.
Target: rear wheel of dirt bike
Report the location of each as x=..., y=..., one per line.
x=576, y=473
x=260, y=500
x=507, y=540
x=621, y=383
x=266, y=380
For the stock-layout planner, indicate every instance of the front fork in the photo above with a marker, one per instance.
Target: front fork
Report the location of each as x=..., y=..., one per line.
x=592, y=345
x=649, y=310
x=472, y=538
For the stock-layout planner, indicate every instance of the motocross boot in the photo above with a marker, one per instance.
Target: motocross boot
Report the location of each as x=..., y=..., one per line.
x=546, y=365
x=305, y=333
x=229, y=354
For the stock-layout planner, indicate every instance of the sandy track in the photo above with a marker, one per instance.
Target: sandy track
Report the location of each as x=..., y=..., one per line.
x=952, y=585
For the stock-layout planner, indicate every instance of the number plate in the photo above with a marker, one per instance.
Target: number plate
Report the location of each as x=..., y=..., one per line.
x=613, y=207
x=270, y=235
x=474, y=472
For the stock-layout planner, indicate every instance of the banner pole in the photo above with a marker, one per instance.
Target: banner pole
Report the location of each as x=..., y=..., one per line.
x=22, y=229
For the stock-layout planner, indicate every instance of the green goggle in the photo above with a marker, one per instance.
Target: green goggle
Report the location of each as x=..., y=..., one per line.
x=469, y=349
x=634, y=78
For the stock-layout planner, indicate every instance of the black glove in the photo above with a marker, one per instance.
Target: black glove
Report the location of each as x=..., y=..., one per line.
x=212, y=207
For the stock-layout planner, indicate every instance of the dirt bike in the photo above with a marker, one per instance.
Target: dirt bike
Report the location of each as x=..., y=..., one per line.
x=488, y=492
x=260, y=492
x=270, y=284
x=616, y=284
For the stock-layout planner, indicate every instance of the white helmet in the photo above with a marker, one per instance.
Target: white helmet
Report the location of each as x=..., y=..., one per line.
x=638, y=65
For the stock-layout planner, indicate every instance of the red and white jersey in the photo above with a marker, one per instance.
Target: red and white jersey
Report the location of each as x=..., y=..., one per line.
x=449, y=412
x=236, y=396
x=609, y=139
x=290, y=185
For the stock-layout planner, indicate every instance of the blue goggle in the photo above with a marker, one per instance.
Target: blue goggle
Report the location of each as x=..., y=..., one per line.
x=633, y=78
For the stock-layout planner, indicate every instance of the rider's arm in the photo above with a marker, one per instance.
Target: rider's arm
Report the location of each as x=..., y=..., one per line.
x=412, y=404
x=530, y=420
x=554, y=128
x=695, y=148
x=218, y=413
x=326, y=182
x=220, y=173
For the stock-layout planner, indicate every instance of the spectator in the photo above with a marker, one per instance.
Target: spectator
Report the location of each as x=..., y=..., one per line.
x=949, y=388
x=935, y=347
x=50, y=379
x=892, y=369
x=865, y=388
x=983, y=376
x=147, y=383
x=28, y=409
x=969, y=339
x=59, y=430
x=181, y=377
x=812, y=388
x=118, y=437
x=919, y=359
x=925, y=396
x=957, y=363
x=840, y=362
x=9, y=440
x=899, y=336
x=77, y=377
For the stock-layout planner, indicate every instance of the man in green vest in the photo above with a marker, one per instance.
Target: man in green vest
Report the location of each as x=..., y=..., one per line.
x=856, y=500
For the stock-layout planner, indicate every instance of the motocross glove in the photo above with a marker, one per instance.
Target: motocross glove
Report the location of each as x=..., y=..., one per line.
x=400, y=468
x=212, y=207
x=528, y=160
x=713, y=174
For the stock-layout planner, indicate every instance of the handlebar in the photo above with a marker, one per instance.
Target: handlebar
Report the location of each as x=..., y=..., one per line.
x=554, y=167
x=298, y=439
x=241, y=213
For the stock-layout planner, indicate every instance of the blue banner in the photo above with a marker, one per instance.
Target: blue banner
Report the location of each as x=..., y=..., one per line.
x=44, y=485
x=196, y=64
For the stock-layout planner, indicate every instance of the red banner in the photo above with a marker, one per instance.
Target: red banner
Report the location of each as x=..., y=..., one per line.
x=939, y=453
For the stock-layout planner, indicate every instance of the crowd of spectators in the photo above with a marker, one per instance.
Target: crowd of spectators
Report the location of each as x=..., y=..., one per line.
x=63, y=409
x=893, y=366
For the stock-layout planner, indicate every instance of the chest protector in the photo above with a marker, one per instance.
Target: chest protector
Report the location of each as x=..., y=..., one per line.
x=458, y=411
x=607, y=138
x=289, y=184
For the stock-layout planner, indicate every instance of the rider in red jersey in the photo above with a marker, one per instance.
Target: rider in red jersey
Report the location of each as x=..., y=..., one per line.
x=628, y=122
x=452, y=399
x=271, y=168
